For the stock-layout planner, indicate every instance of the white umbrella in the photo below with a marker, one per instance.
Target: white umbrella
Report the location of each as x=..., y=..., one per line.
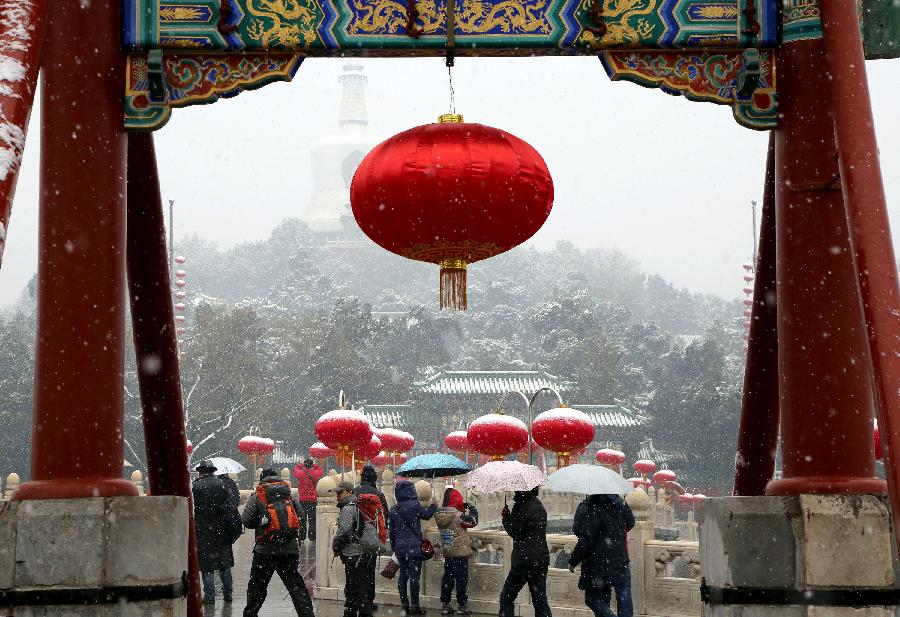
x=224, y=465
x=501, y=476
x=588, y=480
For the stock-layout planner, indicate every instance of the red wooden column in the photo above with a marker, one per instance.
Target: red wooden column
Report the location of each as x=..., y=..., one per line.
x=77, y=447
x=153, y=327
x=870, y=231
x=758, y=436
x=21, y=38
x=826, y=399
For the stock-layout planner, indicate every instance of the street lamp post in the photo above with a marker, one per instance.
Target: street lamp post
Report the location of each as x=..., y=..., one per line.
x=529, y=402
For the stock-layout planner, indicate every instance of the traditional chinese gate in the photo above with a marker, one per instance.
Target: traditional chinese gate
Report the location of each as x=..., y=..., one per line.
x=819, y=363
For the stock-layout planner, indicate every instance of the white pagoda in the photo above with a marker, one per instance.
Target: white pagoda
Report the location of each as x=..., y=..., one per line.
x=336, y=157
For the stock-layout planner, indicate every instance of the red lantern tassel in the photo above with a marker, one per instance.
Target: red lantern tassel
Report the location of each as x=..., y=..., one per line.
x=453, y=285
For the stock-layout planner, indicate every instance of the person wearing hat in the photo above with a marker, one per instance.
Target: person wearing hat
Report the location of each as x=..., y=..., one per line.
x=211, y=500
x=277, y=548
x=346, y=544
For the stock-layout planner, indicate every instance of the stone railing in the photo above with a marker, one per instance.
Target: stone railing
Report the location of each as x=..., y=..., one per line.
x=665, y=575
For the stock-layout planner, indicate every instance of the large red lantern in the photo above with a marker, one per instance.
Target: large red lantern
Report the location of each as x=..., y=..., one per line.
x=563, y=430
x=381, y=459
x=457, y=441
x=451, y=193
x=497, y=435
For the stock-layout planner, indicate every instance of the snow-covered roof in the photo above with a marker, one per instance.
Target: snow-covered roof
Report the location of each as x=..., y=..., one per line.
x=390, y=416
x=662, y=458
x=612, y=416
x=489, y=382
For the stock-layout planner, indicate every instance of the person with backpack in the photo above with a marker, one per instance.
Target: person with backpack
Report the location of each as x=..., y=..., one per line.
x=360, y=536
x=527, y=525
x=273, y=513
x=405, y=531
x=601, y=524
x=211, y=507
x=367, y=480
x=453, y=519
x=308, y=475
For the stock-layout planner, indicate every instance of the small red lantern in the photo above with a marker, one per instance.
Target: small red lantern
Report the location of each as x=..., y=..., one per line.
x=563, y=430
x=451, y=193
x=180, y=283
x=644, y=467
x=253, y=445
x=497, y=435
x=369, y=450
x=675, y=487
x=181, y=295
x=180, y=274
x=343, y=429
x=457, y=441
x=686, y=498
x=664, y=475
x=394, y=441
x=638, y=482
x=180, y=259
x=189, y=446
x=381, y=459
x=320, y=451
x=608, y=456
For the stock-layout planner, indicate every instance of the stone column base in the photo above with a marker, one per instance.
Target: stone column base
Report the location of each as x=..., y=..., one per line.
x=117, y=556
x=798, y=556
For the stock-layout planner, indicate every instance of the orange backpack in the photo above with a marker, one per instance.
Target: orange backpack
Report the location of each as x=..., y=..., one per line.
x=283, y=523
x=373, y=512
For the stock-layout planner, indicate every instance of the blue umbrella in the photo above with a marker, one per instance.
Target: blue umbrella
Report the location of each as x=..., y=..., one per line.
x=433, y=466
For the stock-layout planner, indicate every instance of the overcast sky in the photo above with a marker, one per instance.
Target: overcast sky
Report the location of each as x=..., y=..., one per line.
x=665, y=180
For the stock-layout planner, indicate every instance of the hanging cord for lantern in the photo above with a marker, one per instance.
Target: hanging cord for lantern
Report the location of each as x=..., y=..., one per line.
x=452, y=91
x=451, y=33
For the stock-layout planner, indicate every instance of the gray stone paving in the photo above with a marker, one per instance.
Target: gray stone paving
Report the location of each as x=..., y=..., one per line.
x=278, y=603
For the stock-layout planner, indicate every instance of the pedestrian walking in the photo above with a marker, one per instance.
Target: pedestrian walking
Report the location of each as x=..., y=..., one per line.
x=405, y=531
x=367, y=486
x=357, y=562
x=211, y=505
x=308, y=475
x=601, y=524
x=527, y=526
x=453, y=519
x=273, y=513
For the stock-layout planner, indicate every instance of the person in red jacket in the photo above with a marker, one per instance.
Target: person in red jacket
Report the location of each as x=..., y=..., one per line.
x=308, y=475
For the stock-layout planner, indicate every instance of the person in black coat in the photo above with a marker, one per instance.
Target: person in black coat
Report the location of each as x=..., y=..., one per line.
x=280, y=554
x=211, y=500
x=367, y=480
x=527, y=526
x=601, y=524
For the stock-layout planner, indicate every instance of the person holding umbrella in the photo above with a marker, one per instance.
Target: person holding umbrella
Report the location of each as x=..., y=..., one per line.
x=601, y=524
x=405, y=531
x=211, y=504
x=527, y=526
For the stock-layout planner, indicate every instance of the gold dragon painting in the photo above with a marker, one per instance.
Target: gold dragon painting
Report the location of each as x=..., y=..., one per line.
x=290, y=24
x=384, y=17
x=624, y=20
